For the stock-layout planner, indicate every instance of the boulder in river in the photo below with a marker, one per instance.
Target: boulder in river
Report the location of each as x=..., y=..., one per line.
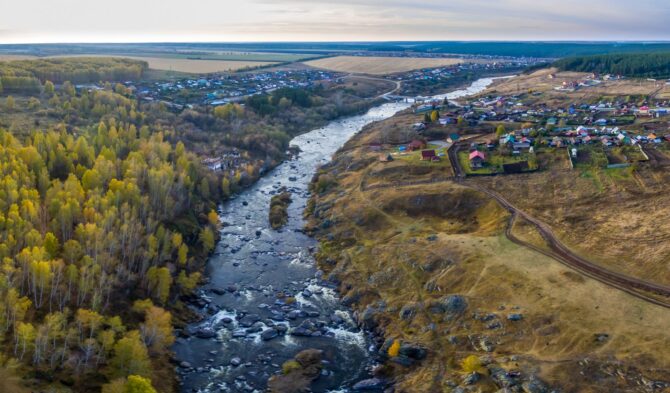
x=269, y=334
x=369, y=385
x=218, y=291
x=205, y=333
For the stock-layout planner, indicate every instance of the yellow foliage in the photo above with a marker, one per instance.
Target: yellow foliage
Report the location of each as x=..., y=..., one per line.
x=290, y=366
x=394, y=349
x=213, y=218
x=472, y=364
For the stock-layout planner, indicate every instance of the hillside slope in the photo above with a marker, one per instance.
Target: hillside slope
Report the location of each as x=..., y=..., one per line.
x=426, y=263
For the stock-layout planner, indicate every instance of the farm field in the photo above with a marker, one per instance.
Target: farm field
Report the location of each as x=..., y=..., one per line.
x=198, y=66
x=15, y=57
x=189, y=65
x=542, y=84
x=379, y=65
x=242, y=56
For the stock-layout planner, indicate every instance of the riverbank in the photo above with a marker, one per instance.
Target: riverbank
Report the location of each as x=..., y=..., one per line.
x=425, y=263
x=265, y=300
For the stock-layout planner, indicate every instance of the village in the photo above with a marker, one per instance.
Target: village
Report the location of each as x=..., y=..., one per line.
x=508, y=134
x=220, y=89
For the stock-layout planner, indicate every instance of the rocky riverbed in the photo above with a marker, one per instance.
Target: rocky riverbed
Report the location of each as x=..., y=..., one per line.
x=266, y=301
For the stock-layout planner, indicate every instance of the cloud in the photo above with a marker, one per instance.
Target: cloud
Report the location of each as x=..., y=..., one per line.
x=315, y=20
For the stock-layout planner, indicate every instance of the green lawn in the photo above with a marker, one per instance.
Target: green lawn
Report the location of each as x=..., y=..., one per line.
x=591, y=156
x=463, y=159
x=415, y=157
x=494, y=162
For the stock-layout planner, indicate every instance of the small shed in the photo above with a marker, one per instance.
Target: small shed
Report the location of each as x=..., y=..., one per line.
x=428, y=155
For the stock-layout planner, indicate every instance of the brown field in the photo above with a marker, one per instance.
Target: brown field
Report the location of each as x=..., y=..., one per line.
x=188, y=65
x=197, y=66
x=15, y=57
x=542, y=86
x=379, y=65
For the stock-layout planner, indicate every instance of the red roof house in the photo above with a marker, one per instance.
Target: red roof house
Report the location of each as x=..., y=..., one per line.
x=477, y=159
x=416, y=145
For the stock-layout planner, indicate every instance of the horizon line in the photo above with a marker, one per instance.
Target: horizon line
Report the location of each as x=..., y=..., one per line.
x=540, y=41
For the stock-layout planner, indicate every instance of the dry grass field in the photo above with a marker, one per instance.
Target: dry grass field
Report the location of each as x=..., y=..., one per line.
x=170, y=63
x=379, y=65
x=189, y=65
x=198, y=66
x=543, y=82
x=15, y=57
x=610, y=216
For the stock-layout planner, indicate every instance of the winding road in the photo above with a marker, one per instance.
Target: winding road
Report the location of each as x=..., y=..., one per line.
x=634, y=286
x=559, y=251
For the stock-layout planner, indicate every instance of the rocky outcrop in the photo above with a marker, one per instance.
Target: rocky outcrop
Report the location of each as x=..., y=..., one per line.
x=298, y=374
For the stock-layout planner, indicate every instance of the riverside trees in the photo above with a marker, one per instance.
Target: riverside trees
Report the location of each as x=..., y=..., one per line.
x=89, y=222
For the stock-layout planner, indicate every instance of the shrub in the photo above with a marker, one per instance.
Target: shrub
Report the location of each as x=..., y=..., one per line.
x=394, y=349
x=472, y=364
x=290, y=366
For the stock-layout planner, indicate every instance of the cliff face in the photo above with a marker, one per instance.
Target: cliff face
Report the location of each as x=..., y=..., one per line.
x=456, y=305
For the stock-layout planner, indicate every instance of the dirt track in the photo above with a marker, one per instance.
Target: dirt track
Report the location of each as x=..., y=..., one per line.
x=560, y=252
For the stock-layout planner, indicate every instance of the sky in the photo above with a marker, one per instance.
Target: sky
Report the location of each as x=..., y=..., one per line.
x=47, y=21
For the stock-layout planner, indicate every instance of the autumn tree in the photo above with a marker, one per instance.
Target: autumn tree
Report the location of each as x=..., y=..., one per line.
x=500, y=131
x=49, y=88
x=10, y=103
x=130, y=356
x=132, y=384
x=157, y=329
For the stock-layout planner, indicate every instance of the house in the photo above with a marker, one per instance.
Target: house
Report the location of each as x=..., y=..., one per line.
x=477, y=159
x=453, y=138
x=507, y=139
x=418, y=127
x=429, y=155
x=448, y=120
x=416, y=145
x=521, y=145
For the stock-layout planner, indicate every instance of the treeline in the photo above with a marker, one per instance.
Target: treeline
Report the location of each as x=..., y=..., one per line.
x=641, y=65
x=29, y=75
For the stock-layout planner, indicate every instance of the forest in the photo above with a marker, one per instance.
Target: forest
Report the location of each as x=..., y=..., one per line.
x=104, y=225
x=640, y=65
x=28, y=75
x=107, y=215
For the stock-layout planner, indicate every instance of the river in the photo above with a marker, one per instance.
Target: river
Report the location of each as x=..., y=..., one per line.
x=252, y=324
